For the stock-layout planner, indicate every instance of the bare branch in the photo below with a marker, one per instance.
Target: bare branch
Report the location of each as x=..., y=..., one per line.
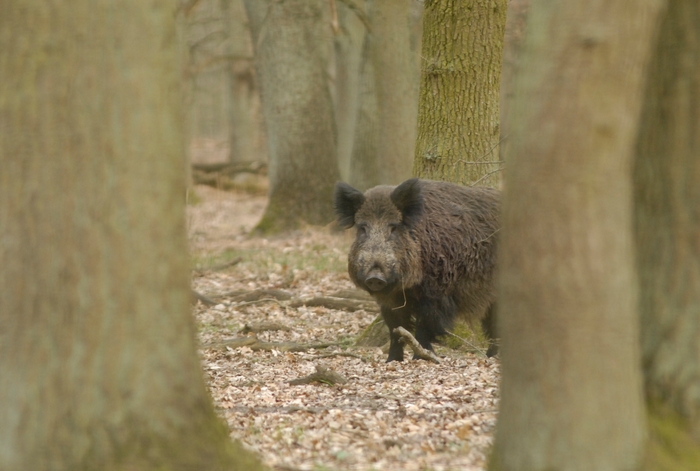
x=418, y=350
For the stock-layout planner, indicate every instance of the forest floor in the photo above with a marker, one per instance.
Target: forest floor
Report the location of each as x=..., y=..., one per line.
x=267, y=328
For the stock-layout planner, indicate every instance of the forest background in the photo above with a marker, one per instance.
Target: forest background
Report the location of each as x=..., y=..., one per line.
x=599, y=316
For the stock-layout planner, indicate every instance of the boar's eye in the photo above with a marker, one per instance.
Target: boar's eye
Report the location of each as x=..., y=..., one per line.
x=393, y=226
x=361, y=229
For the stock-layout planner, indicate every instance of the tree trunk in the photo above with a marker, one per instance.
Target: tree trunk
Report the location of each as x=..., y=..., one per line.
x=396, y=83
x=571, y=383
x=458, y=131
x=246, y=136
x=386, y=117
x=667, y=196
x=364, y=160
x=97, y=348
x=348, y=58
x=291, y=40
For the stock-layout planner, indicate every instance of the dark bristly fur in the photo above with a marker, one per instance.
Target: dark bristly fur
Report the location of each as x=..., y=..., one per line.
x=426, y=251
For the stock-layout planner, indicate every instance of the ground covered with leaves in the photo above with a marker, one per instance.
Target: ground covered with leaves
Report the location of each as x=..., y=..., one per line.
x=278, y=319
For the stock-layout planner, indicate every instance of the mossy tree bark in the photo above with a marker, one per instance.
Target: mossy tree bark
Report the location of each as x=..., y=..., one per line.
x=568, y=290
x=292, y=40
x=667, y=196
x=97, y=348
x=458, y=111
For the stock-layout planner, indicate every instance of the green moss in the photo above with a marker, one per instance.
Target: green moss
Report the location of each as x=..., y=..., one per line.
x=375, y=335
x=193, y=198
x=465, y=337
x=671, y=446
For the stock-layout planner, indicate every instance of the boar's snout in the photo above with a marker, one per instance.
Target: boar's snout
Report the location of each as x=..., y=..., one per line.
x=375, y=280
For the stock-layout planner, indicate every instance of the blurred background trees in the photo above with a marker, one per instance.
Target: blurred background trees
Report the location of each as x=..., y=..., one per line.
x=348, y=79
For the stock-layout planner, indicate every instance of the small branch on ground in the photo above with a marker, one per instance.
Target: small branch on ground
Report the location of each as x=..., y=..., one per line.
x=343, y=354
x=322, y=375
x=418, y=350
x=259, y=294
x=264, y=327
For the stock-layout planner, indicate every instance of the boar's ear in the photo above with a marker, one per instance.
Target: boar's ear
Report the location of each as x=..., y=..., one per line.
x=347, y=201
x=408, y=198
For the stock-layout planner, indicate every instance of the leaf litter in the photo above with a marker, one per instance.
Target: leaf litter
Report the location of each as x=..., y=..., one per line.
x=413, y=415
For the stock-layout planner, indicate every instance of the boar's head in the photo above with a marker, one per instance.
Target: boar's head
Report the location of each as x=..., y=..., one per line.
x=385, y=256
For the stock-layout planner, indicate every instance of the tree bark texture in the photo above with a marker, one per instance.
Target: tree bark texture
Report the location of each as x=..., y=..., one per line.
x=291, y=39
x=512, y=51
x=385, y=129
x=667, y=197
x=246, y=136
x=458, y=117
x=571, y=383
x=97, y=348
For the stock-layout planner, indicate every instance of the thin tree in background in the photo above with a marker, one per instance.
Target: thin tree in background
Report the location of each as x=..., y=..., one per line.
x=571, y=390
x=246, y=136
x=385, y=127
x=458, y=111
x=292, y=43
x=667, y=197
x=348, y=43
x=97, y=348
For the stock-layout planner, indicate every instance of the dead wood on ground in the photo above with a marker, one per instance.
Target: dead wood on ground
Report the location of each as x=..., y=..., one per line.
x=255, y=344
x=418, y=350
x=322, y=375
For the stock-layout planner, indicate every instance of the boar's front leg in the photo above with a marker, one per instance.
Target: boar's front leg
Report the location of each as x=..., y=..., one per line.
x=394, y=318
x=433, y=318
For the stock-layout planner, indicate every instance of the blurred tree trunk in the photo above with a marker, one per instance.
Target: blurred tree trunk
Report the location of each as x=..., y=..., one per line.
x=385, y=130
x=458, y=117
x=348, y=58
x=364, y=160
x=571, y=390
x=246, y=136
x=667, y=196
x=97, y=349
x=291, y=39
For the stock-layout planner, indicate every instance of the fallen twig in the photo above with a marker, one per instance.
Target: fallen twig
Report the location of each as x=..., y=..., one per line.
x=263, y=327
x=418, y=350
x=322, y=375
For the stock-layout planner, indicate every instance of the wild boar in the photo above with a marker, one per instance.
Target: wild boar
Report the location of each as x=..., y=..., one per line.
x=426, y=251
